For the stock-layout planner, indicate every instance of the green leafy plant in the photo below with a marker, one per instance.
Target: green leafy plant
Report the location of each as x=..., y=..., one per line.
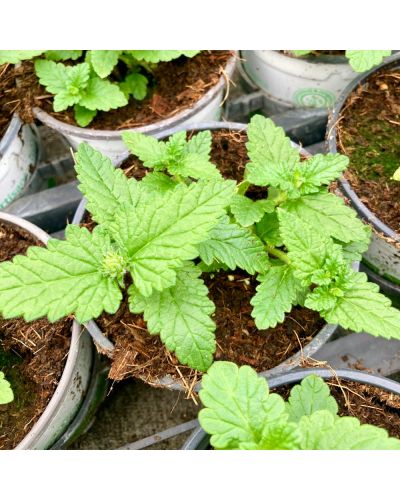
x=241, y=413
x=396, y=175
x=359, y=60
x=183, y=219
x=6, y=393
x=93, y=80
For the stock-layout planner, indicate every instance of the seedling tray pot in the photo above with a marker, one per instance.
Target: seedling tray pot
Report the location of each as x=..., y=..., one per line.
x=109, y=142
x=383, y=256
x=200, y=440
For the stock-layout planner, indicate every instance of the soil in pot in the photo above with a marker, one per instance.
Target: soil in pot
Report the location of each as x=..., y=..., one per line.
x=32, y=355
x=143, y=356
x=175, y=86
x=369, y=133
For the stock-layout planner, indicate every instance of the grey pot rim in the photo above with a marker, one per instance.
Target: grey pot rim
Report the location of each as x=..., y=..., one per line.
x=10, y=133
x=153, y=128
x=361, y=209
x=107, y=347
x=58, y=396
x=327, y=59
x=199, y=439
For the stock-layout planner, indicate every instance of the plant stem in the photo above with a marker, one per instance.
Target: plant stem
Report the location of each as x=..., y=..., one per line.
x=278, y=253
x=243, y=187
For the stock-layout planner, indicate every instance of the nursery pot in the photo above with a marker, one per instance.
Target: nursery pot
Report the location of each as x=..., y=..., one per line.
x=109, y=142
x=105, y=346
x=293, y=82
x=200, y=440
x=383, y=254
x=19, y=155
x=74, y=382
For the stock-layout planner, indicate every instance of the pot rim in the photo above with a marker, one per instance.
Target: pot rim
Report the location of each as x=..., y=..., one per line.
x=161, y=125
x=302, y=62
x=334, y=118
x=58, y=396
x=9, y=135
x=107, y=347
x=199, y=439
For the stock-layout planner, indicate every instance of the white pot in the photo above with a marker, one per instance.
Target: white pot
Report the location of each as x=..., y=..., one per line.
x=74, y=381
x=19, y=153
x=109, y=142
x=314, y=82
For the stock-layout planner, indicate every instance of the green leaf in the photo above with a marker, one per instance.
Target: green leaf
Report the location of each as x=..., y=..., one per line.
x=239, y=407
x=272, y=156
x=162, y=232
x=83, y=116
x=353, y=250
x=396, y=175
x=195, y=166
x=247, y=211
x=158, y=182
x=63, y=55
x=200, y=144
x=102, y=95
x=268, y=229
x=104, y=61
x=320, y=170
x=363, y=60
x=234, y=246
x=274, y=297
x=152, y=152
x=67, y=277
x=363, y=308
x=299, y=53
x=105, y=187
x=280, y=436
x=311, y=395
x=328, y=215
x=181, y=315
x=155, y=56
x=51, y=75
x=15, y=56
x=135, y=85
x=6, y=393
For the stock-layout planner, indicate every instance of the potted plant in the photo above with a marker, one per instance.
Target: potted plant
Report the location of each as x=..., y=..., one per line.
x=19, y=143
x=48, y=366
x=364, y=125
x=305, y=78
x=97, y=93
x=141, y=265
x=352, y=410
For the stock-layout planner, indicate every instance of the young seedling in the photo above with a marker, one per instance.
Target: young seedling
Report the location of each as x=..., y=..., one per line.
x=241, y=414
x=95, y=83
x=184, y=219
x=6, y=393
x=359, y=60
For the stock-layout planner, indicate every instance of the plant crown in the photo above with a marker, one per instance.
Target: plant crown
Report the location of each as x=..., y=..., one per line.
x=359, y=60
x=183, y=219
x=241, y=413
x=6, y=393
x=100, y=81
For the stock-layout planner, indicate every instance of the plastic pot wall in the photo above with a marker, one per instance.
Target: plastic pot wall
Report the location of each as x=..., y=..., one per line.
x=383, y=255
x=200, y=440
x=19, y=156
x=109, y=142
x=314, y=82
x=105, y=346
x=71, y=390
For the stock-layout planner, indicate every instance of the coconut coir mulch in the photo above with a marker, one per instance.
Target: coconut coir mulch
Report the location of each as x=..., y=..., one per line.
x=32, y=355
x=143, y=356
x=369, y=133
x=174, y=86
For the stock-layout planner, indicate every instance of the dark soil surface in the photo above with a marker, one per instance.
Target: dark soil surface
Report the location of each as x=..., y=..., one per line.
x=141, y=355
x=369, y=133
x=174, y=86
x=32, y=355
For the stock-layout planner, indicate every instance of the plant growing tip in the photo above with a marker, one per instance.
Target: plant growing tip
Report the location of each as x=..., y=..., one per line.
x=183, y=219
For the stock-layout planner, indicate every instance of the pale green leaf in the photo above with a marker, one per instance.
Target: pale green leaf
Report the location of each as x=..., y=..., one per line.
x=104, y=61
x=320, y=170
x=274, y=297
x=65, y=278
x=15, y=56
x=200, y=143
x=363, y=60
x=247, y=211
x=51, y=75
x=102, y=95
x=268, y=229
x=6, y=393
x=63, y=55
x=299, y=53
x=155, y=56
x=181, y=315
x=196, y=166
x=152, y=152
x=83, y=116
x=234, y=246
x=135, y=85
x=311, y=395
x=396, y=175
x=158, y=182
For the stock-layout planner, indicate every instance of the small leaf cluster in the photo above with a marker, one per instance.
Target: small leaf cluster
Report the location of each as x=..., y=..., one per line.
x=6, y=393
x=359, y=60
x=184, y=219
x=241, y=414
x=93, y=80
